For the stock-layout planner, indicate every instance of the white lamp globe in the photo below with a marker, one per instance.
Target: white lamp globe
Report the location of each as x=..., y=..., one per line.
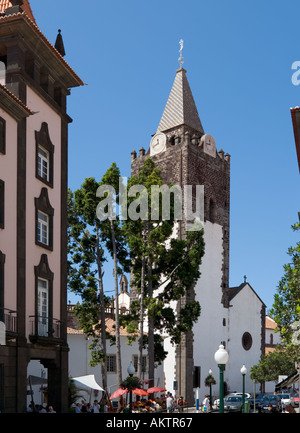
x=130, y=369
x=221, y=355
x=244, y=370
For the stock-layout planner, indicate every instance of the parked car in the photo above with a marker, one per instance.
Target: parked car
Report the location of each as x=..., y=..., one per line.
x=258, y=398
x=285, y=398
x=239, y=394
x=267, y=400
x=295, y=400
x=233, y=403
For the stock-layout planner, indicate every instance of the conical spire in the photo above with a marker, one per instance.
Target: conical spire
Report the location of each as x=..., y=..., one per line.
x=59, y=44
x=180, y=108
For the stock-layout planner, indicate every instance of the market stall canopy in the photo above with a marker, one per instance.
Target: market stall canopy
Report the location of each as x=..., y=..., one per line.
x=155, y=389
x=136, y=391
x=118, y=393
x=87, y=381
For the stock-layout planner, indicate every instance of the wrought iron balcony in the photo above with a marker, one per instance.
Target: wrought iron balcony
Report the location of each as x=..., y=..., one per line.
x=9, y=318
x=45, y=329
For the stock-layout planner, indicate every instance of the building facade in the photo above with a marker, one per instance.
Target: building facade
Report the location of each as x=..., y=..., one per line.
x=234, y=316
x=35, y=81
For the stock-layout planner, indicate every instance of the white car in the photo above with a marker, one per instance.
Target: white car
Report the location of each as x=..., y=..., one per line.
x=285, y=398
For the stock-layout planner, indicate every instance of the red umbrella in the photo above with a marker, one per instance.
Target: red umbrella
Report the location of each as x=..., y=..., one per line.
x=155, y=389
x=118, y=393
x=139, y=391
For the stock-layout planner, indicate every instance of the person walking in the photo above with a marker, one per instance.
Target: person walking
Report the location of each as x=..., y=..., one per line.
x=180, y=404
x=205, y=403
x=169, y=402
x=96, y=407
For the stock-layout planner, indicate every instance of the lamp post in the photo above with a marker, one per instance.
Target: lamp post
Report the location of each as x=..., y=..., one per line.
x=130, y=371
x=210, y=396
x=221, y=358
x=243, y=372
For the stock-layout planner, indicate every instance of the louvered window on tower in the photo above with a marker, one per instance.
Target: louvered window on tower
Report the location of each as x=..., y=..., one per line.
x=212, y=211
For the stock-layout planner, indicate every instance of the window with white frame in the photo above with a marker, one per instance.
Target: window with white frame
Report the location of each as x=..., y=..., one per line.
x=44, y=155
x=43, y=163
x=44, y=221
x=43, y=228
x=43, y=307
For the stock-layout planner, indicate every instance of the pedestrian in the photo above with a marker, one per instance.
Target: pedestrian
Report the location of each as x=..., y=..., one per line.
x=51, y=410
x=42, y=409
x=180, y=404
x=205, y=403
x=96, y=407
x=83, y=408
x=77, y=408
x=289, y=409
x=170, y=403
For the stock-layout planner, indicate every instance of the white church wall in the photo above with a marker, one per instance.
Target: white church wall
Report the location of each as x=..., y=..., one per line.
x=244, y=315
x=209, y=330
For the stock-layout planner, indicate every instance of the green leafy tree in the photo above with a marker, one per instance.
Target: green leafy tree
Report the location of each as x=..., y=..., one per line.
x=86, y=269
x=286, y=307
x=89, y=241
x=271, y=366
x=164, y=269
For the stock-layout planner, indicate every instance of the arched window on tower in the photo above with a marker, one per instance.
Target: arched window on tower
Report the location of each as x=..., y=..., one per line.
x=212, y=211
x=2, y=73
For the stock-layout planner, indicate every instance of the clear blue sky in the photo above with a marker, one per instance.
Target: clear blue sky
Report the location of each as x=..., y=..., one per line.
x=238, y=57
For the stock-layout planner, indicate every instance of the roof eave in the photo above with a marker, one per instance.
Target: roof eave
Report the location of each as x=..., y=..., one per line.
x=50, y=55
x=13, y=105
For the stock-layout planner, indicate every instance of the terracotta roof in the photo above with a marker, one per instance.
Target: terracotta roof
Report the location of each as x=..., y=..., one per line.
x=269, y=350
x=270, y=323
x=109, y=328
x=4, y=4
x=33, y=25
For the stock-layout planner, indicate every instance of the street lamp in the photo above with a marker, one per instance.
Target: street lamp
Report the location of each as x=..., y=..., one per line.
x=243, y=372
x=130, y=371
x=210, y=396
x=221, y=358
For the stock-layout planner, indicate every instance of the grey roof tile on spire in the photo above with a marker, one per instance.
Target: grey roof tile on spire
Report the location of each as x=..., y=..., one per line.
x=180, y=108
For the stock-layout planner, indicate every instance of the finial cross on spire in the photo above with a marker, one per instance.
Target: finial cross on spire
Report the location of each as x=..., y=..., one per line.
x=181, y=60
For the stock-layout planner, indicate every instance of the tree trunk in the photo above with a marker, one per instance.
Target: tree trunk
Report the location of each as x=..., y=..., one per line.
x=103, y=326
x=117, y=321
x=150, y=330
x=141, y=339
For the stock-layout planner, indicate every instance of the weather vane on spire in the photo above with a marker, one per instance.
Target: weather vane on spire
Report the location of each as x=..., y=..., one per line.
x=181, y=60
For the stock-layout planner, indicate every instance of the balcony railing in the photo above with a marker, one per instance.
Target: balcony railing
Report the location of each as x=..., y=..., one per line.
x=42, y=327
x=9, y=318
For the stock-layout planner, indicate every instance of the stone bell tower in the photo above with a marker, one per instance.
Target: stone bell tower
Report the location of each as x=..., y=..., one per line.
x=187, y=155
